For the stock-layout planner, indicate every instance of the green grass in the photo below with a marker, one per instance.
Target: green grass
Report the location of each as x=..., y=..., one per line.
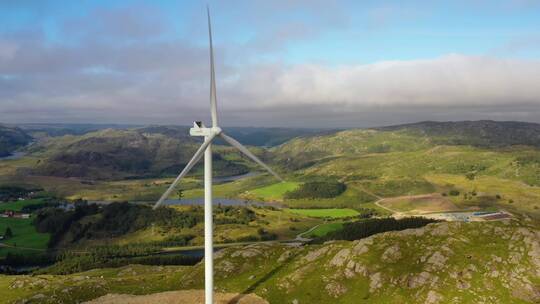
x=331, y=213
x=275, y=191
x=324, y=229
x=24, y=235
x=18, y=205
x=264, y=270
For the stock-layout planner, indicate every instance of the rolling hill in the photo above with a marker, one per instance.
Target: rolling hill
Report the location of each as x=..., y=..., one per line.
x=483, y=133
x=115, y=152
x=416, y=136
x=428, y=157
x=12, y=138
x=118, y=154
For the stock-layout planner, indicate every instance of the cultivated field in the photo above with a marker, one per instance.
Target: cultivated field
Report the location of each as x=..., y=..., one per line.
x=419, y=204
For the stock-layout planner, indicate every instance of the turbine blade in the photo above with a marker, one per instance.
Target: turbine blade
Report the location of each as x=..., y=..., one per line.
x=233, y=142
x=213, y=97
x=196, y=157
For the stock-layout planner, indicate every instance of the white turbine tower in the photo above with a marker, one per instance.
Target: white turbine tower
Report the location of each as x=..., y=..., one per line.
x=209, y=135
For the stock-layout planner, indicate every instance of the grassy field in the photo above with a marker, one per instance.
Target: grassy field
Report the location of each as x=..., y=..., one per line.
x=329, y=213
x=24, y=235
x=275, y=191
x=324, y=229
x=18, y=205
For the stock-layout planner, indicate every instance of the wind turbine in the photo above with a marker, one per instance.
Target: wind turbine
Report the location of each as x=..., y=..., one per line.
x=205, y=149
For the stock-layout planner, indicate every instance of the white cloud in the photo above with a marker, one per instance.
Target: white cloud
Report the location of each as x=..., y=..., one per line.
x=119, y=68
x=452, y=80
x=272, y=94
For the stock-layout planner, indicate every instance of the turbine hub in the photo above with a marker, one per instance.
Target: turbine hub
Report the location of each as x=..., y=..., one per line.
x=200, y=130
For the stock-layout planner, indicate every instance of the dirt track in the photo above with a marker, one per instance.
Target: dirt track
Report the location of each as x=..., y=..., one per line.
x=178, y=297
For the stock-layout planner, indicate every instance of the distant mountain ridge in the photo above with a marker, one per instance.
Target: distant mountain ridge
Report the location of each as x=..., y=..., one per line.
x=411, y=137
x=483, y=133
x=253, y=136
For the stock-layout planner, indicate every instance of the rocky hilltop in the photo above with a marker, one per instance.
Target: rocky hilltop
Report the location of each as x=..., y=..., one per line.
x=497, y=262
x=440, y=263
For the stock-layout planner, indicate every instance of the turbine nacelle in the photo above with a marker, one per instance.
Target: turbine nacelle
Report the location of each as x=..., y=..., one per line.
x=199, y=129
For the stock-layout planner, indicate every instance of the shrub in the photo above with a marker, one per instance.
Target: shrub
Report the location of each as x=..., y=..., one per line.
x=470, y=175
x=453, y=192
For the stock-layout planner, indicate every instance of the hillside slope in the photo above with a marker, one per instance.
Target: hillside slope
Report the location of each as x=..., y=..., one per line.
x=497, y=262
x=416, y=136
x=113, y=154
x=482, y=133
x=486, y=170
x=12, y=138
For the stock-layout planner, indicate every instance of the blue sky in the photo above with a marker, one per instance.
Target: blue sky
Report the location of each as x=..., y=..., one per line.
x=349, y=63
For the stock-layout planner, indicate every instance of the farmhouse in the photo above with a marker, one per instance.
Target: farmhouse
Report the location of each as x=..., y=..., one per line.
x=13, y=214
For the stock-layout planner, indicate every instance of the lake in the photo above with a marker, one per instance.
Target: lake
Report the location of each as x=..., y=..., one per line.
x=14, y=155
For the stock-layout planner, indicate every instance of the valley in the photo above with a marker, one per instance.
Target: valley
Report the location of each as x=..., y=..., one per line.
x=89, y=214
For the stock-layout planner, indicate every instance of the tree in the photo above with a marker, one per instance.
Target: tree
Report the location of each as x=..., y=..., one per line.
x=453, y=192
x=180, y=194
x=8, y=234
x=470, y=175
